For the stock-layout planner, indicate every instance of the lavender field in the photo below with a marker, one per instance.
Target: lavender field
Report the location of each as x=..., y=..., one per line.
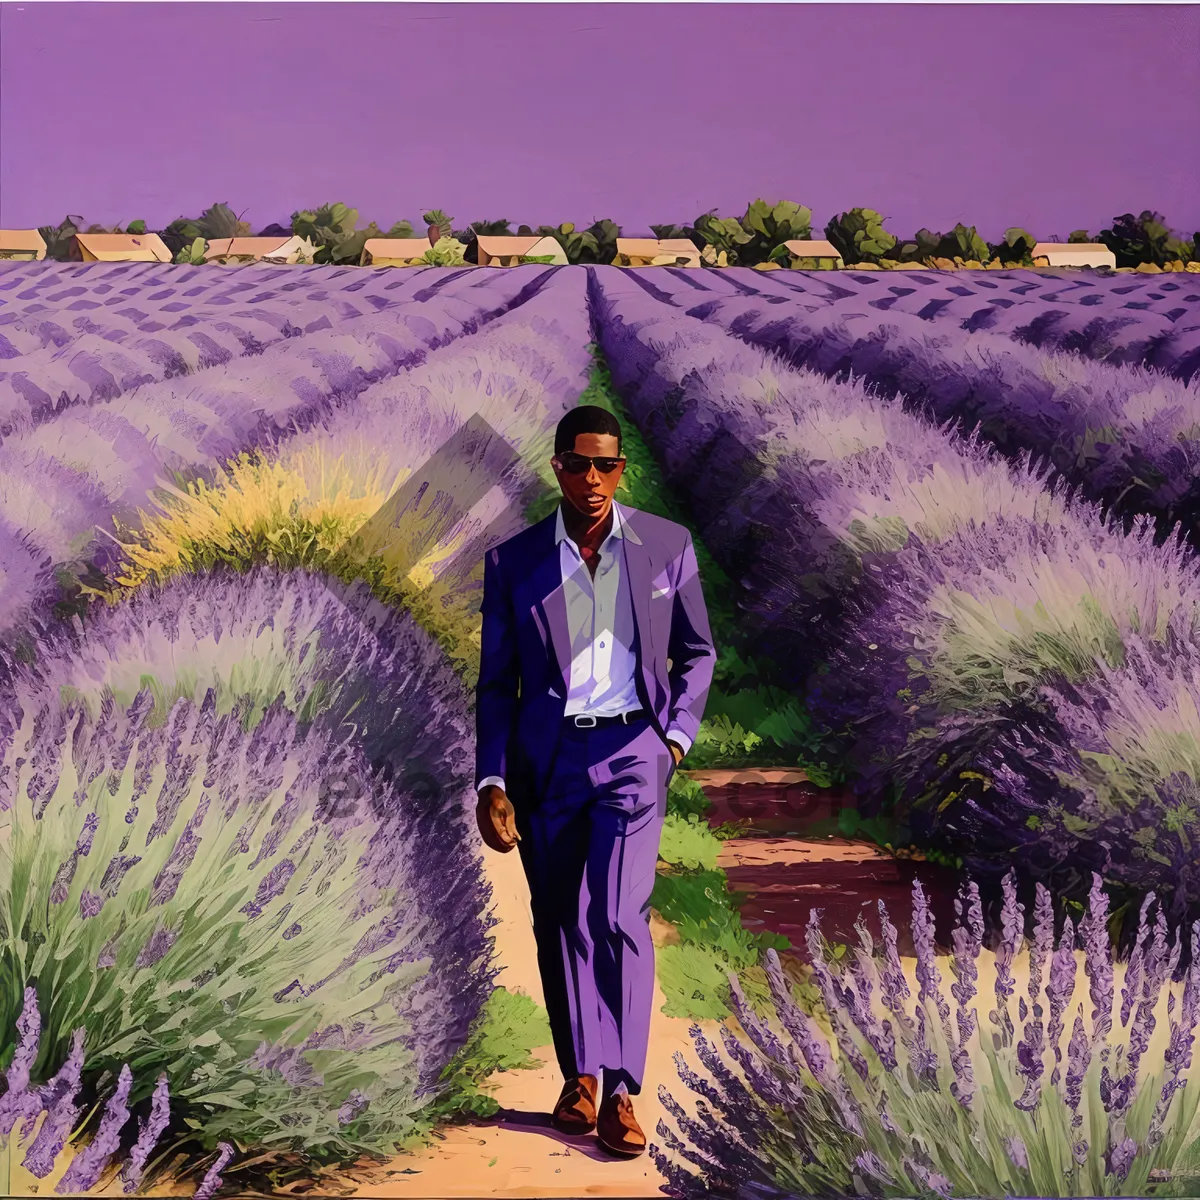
x=947, y=525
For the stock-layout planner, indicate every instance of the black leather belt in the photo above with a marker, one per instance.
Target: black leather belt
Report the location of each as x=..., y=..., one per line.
x=588, y=721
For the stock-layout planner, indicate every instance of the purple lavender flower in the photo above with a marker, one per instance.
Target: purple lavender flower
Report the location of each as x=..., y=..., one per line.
x=1031, y=1051
x=59, y=1099
x=1041, y=946
x=356, y=1104
x=836, y=998
x=1177, y=1057
x=1079, y=1056
x=1012, y=922
x=1120, y=1157
x=1133, y=972
x=86, y=1167
x=893, y=985
x=1059, y=991
x=90, y=904
x=928, y=1178
x=149, y=1131
x=1014, y=1147
x=799, y=1025
x=868, y=1164
x=18, y=1101
x=212, y=1179
x=1098, y=960
x=155, y=949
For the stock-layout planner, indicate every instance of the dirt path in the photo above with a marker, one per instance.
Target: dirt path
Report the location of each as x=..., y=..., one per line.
x=517, y=1153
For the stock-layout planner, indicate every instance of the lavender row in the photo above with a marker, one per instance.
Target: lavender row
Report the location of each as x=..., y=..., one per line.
x=1161, y=331
x=92, y=362
x=1173, y=297
x=1126, y=437
x=52, y=504
x=51, y=288
x=930, y=600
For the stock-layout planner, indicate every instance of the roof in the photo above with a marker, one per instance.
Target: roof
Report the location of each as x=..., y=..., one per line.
x=413, y=247
x=652, y=247
x=1096, y=253
x=257, y=246
x=123, y=247
x=808, y=248
x=26, y=240
x=506, y=247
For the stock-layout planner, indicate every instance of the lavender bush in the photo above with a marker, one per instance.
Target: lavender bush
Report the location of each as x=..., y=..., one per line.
x=345, y=666
x=915, y=1090
x=1124, y=436
x=953, y=599
x=406, y=487
x=244, y=906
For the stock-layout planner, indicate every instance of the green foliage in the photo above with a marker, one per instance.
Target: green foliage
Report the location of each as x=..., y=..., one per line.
x=578, y=245
x=1144, y=239
x=723, y=235
x=192, y=254
x=1078, y=235
x=201, y=1013
x=964, y=242
x=509, y=1029
x=217, y=221
x=688, y=842
x=59, y=238
x=605, y=234
x=331, y=228
x=859, y=236
x=686, y=798
x=712, y=941
x=666, y=233
x=1016, y=248
x=771, y=225
x=445, y=252
x=136, y=227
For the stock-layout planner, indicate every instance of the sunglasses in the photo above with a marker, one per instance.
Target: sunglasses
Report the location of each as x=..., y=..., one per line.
x=578, y=464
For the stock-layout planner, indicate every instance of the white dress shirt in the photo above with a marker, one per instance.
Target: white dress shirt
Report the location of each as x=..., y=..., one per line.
x=603, y=678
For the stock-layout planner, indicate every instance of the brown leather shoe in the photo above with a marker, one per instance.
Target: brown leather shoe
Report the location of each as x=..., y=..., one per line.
x=617, y=1128
x=575, y=1111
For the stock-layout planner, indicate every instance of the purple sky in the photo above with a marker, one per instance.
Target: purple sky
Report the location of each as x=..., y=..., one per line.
x=1048, y=116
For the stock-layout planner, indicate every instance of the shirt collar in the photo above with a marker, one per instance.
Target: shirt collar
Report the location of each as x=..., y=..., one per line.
x=617, y=530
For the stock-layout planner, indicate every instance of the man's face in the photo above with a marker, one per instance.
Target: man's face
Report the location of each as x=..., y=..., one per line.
x=591, y=491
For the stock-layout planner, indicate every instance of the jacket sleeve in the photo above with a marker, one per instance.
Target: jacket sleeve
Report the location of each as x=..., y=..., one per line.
x=690, y=649
x=496, y=691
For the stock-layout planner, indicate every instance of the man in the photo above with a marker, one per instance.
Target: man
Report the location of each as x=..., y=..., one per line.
x=595, y=666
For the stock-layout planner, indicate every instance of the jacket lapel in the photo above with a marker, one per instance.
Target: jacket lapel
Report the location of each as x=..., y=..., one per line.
x=638, y=572
x=548, y=602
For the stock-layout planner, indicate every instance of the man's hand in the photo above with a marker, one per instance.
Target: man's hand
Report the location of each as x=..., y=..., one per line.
x=676, y=750
x=497, y=819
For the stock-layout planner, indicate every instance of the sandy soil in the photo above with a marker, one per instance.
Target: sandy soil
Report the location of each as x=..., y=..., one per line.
x=518, y=1153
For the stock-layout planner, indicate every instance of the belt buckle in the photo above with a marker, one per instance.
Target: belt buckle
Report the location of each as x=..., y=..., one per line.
x=584, y=721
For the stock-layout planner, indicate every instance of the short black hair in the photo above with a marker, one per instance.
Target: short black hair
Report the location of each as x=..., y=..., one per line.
x=585, y=418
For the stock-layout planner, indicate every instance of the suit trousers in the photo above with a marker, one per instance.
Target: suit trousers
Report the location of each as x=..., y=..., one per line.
x=589, y=847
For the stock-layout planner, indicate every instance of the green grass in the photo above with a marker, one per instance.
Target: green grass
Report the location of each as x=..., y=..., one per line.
x=510, y=1028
